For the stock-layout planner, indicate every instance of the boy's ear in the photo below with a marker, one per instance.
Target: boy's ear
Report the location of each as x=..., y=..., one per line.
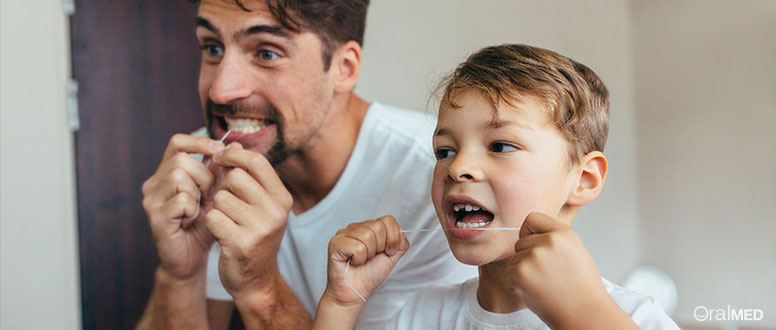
x=592, y=173
x=347, y=65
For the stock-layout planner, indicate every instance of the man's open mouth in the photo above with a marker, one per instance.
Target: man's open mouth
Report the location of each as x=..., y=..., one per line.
x=243, y=125
x=470, y=216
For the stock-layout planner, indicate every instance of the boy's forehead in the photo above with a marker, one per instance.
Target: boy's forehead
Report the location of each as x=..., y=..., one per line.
x=516, y=110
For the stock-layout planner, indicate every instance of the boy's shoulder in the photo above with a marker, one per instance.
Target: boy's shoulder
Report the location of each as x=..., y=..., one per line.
x=644, y=310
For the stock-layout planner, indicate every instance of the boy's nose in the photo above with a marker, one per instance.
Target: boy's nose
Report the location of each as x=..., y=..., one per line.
x=232, y=81
x=464, y=168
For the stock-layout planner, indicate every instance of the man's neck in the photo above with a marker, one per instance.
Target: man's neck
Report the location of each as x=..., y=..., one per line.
x=311, y=173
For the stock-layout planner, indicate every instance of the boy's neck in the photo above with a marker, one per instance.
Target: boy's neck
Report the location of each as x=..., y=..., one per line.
x=492, y=294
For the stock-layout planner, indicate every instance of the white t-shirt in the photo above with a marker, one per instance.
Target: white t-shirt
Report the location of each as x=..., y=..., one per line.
x=389, y=172
x=456, y=307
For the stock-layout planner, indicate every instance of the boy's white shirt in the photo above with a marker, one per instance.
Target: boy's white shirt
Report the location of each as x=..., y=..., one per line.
x=389, y=172
x=456, y=307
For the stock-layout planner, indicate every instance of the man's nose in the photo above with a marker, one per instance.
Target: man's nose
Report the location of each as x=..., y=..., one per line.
x=465, y=168
x=232, y=81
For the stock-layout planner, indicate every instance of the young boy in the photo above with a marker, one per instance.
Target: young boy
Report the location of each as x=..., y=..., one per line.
x=519, y=144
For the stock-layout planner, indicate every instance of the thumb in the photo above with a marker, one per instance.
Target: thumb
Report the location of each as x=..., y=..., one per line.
x=404, y=245
x=537, y=223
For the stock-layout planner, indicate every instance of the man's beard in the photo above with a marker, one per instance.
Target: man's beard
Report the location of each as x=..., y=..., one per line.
x=278, y=152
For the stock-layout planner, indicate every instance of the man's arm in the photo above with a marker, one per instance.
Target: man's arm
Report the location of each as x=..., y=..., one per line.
x=248, y=218
x=219, y=314
x=273, y=307
x=176, y=304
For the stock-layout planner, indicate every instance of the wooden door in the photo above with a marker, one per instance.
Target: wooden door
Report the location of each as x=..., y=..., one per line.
x=136, y=63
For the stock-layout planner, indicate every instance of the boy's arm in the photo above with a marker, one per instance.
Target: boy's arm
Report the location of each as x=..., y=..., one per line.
x=556, y=277
x=364, y=253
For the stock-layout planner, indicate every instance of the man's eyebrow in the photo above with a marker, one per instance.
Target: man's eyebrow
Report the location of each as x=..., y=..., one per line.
x=262, y=28
x=206, y=24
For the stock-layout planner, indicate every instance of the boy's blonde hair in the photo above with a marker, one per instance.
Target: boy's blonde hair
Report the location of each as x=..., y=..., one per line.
x=577, y=99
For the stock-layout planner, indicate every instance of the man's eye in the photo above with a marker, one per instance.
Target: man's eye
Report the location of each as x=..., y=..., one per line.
x=502, y=147
x=213, y=50
x=267, y=55
x=443, y=153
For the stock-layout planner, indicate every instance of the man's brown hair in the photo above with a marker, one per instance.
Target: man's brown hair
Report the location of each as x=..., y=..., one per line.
x=334, y=21
x=577, y=99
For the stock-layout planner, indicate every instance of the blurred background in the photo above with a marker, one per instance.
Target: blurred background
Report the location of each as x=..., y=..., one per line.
x=692, y=187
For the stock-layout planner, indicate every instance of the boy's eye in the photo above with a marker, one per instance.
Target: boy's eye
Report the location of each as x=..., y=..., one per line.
x=443, y=153
x=502, y=147
x=267, y=55
x=212, y=50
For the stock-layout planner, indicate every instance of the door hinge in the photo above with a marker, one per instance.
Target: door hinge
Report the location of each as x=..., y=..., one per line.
x=72, y=105
x=69, y=7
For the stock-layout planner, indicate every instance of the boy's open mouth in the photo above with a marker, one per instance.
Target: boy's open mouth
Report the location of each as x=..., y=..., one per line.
x=468, y=216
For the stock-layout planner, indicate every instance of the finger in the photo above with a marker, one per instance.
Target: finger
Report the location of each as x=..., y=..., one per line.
x=521, y=255
x=235, y=209
x=198, y=172
x=256, y=165
x=366, y=236
x=537, y=222
x=404, y=242
x=401, y=249
x=181, y=206
x=392, y=240
x=342, y=248
x=175, y=182
x=218, y=224
x=529, y=241
x=242, y=185
x=191, y=144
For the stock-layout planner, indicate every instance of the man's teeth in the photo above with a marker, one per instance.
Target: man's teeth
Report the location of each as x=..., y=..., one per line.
x=463, y=225
x=245, y=125
x=465, y=207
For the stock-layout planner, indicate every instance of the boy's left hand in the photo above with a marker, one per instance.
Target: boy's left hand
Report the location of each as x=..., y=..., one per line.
x=552, y=272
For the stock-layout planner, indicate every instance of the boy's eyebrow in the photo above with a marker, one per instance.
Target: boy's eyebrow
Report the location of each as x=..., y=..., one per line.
x=441, y=131
x=506, y=123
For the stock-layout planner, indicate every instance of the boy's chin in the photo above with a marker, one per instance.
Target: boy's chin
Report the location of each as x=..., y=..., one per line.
x=475, y=256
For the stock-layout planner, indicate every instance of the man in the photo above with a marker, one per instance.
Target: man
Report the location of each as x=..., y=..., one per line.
x=307, y=156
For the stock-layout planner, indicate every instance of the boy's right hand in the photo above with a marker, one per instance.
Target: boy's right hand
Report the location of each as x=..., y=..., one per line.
x=373, y=248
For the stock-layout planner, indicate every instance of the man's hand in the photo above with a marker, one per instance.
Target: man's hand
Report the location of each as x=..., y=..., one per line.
x=555, y=276
x=248, y=218
x=171, y=201
x=373, y=248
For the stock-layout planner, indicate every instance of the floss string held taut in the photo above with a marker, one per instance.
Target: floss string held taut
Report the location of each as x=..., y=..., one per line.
x=347, y=267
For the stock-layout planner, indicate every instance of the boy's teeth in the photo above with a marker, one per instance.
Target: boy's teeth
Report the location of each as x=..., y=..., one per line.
x=463, y=225
x=245, y=125
x=465, y=207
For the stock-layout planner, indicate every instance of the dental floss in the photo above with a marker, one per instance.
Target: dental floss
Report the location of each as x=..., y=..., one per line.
x=347, y=267
x=207, y=164
x=453, y=229
x=345, y=278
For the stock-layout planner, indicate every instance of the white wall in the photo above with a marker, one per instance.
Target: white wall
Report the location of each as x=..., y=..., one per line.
x=706, y=108
x=409, y=45
x=39, y=286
